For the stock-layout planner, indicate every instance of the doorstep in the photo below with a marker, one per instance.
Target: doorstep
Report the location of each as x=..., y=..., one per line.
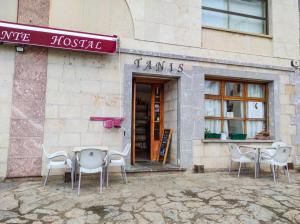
x=149, y=166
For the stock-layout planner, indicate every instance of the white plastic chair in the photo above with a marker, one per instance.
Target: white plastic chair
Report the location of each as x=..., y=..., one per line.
x=239, y=157
x=91, y=160
x=66, y=163
x=272, y=150
x=280, y=158
x=118, y=159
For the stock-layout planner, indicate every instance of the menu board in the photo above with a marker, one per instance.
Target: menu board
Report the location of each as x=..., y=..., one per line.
x=165, y=144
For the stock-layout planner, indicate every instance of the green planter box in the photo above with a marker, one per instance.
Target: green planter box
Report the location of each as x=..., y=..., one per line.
x=236, y=136
x=213, y=135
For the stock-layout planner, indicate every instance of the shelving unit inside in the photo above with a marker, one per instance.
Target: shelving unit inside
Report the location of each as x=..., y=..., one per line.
x=142, y=122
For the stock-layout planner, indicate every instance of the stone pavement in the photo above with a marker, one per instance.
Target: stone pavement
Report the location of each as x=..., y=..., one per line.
x=154, y=198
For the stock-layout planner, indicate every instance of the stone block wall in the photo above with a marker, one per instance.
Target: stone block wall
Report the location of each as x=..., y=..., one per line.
x=80, y=86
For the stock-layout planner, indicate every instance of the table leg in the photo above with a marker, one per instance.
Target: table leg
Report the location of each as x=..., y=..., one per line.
x=105, y=176
x=258, y=163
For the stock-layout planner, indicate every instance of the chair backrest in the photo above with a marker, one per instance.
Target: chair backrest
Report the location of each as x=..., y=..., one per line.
x=234, y=151
x=277, y=144
x=126, y=150
x=44, y=150
x=92, y=158
x=282, y=154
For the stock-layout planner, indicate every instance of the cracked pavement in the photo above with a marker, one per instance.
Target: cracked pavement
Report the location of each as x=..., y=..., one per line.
x=154, y=198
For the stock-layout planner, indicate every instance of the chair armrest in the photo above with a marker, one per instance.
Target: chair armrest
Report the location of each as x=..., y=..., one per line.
x=115, y=153
x=106, y=160
x=265, y=155
x=57, y=154
x=77, y=158
x=249, y=153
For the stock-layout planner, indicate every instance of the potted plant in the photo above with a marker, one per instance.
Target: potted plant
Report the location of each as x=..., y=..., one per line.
x=238, y=136
x=209, y=134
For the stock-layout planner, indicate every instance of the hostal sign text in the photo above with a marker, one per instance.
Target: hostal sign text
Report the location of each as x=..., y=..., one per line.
x=158, y=66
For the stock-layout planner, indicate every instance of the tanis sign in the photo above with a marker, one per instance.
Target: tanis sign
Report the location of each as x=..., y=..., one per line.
x=158, y=66
x=56, y=38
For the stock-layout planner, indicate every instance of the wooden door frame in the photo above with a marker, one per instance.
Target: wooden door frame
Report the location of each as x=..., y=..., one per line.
x=133, y=121
x=149, y=81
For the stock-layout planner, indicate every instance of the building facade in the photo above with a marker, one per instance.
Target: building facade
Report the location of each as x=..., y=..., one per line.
x=196, y=67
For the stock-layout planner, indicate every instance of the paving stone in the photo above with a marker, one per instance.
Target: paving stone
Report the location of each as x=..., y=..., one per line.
x=123, y=216
x=31, y=216
x=154, y=217
x=151, y=206
x=45, y=211
x=261, y=213
x=245, y=219
x=214, y=217
x=171, y=214
x=269, y=202
x=74, y=213
x=140, y=219
x=7, y=214
x=38, y=222
x=175, y=205
x=16, y=220
x=293, y=216
x=25, y=208
x=10, y=203
x=162, y=201
x=207, y=194
x=186, y=215
x=93, y=218
x=193, y=204
x=209, y=210
x=50, y=218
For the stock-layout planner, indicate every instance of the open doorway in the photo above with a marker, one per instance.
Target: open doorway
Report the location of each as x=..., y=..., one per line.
x=154, y=110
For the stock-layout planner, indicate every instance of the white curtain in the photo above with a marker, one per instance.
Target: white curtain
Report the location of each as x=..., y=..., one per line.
x=214, y=126
x=256, y=109
x=255, y=90
x=213, y=108
x=254, y=127
x=212, y=87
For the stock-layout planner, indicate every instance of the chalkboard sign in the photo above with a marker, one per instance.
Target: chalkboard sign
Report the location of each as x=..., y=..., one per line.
x=164, y=145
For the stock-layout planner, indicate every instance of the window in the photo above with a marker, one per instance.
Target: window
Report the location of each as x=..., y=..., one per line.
x=235, y=107
x=240, y=15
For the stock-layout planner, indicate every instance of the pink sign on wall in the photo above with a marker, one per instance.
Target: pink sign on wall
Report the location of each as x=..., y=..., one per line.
x=57, y=38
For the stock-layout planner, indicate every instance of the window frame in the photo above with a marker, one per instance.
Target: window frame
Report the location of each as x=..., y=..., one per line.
x=244, y=99
x=227, y=12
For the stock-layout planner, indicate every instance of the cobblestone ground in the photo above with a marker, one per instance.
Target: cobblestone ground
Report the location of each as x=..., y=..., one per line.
x=154, y=198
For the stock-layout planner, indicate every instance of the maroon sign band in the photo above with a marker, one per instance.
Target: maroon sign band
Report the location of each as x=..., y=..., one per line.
x=56, y=38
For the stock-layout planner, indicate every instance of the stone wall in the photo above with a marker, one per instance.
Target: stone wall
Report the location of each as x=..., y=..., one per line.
x=171, y=117
x=8, y=12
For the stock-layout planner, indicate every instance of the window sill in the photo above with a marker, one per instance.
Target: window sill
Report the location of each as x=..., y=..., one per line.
x=238, y=32
x=237, y=141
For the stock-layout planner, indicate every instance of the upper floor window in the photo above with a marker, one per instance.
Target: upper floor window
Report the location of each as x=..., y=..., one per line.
x=240, y=15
